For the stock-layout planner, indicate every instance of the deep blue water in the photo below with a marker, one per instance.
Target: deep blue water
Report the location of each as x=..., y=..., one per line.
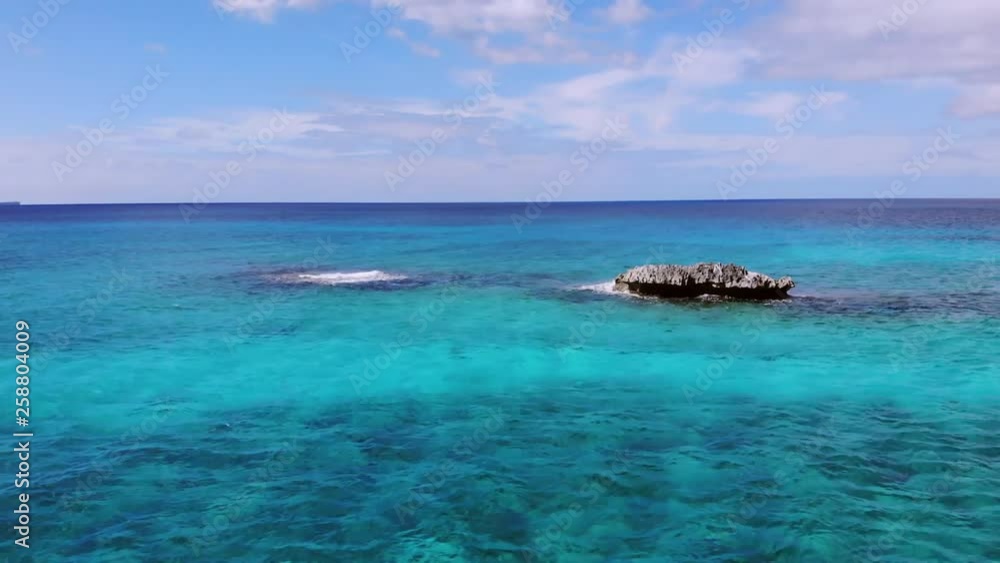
x=453, y=383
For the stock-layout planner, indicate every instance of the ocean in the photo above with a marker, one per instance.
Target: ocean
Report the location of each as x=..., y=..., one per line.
x=456, y=383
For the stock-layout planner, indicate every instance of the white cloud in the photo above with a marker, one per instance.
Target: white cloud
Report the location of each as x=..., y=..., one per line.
x=261, y=10
x=879, y=40
x=577, y=107
x=489, y=16
x=628, y=12
x=544, y=48
x=420, y=48
x=977, y=101
x=173, y=135
x=528, y=28
x=770, y=105
x=129, y=175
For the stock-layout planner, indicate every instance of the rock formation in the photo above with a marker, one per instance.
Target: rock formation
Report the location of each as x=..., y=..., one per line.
x=726, y=280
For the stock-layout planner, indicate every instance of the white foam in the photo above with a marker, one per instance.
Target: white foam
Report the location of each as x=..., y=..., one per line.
x=345, y=278
x=608, y=288
x=603, y=287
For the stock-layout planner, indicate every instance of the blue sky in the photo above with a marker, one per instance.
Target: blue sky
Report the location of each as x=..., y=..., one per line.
x=451, y=100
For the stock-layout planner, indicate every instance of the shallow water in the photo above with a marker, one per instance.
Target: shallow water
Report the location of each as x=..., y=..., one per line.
x=469, y=391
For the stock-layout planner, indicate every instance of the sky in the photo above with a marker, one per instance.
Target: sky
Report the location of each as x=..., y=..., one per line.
x=520, y=100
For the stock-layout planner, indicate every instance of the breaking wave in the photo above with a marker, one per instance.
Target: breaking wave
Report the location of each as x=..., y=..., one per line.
x=607, y=288
x=342, y=278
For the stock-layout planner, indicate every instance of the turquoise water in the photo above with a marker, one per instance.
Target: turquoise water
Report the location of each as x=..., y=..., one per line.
x=482, y=398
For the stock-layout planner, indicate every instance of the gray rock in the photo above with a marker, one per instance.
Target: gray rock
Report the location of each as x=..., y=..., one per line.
x=727, y=280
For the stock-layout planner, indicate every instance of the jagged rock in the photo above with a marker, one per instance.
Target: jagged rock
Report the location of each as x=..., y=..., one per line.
x=727, y=280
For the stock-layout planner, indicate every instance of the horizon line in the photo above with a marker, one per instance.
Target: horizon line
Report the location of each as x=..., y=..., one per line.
x=14, y=203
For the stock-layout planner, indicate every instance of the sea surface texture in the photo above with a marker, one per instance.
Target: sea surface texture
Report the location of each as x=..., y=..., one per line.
x=456, y=383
